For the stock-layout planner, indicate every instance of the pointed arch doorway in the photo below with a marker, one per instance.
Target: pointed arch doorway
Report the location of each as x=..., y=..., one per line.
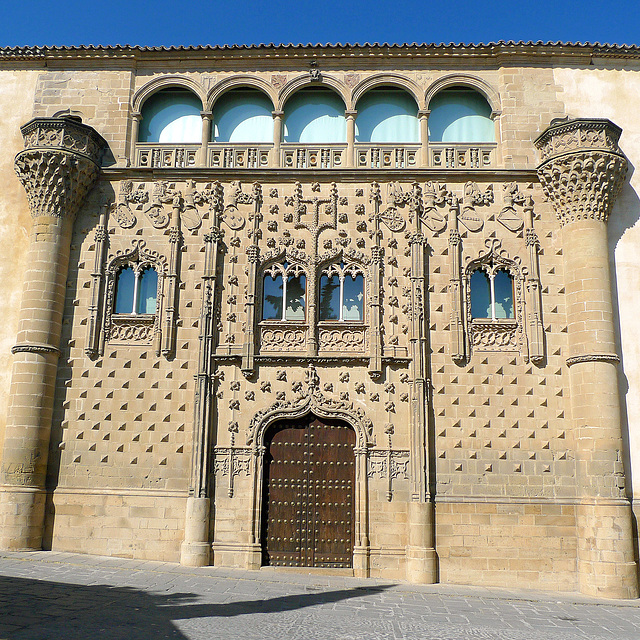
x=308, y=509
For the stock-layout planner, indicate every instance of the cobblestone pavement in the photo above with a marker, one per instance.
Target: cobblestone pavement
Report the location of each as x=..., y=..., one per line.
x=62, y=596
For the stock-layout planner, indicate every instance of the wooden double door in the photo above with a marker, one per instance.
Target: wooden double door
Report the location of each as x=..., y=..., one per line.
x=308, y=512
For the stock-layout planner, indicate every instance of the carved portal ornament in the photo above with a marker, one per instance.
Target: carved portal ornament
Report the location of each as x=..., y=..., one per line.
x=133, y=329
x=582, y=169
x=311, y=400
x=502, y=334
x=59, y=165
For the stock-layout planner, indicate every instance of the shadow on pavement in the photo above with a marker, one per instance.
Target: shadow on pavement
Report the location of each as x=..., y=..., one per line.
x=45, y=610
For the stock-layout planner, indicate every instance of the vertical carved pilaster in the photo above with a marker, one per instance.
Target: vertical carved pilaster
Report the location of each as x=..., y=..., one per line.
x=582, y=172
x=418, y=349
x=171, y=286
x=456, y=325
x=58, y=167
x=195, y=549
x=97, y=283
x=375, y=306
x=253, y=255
x=534, y=302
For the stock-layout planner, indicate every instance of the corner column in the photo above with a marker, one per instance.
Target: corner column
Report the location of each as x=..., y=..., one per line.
x=582, y=173
x=58, y=167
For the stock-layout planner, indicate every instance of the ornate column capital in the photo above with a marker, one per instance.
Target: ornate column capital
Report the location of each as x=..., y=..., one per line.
x=59, y=164
x=582, y=168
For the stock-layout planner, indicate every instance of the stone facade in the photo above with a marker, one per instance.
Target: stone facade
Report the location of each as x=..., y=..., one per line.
x=488, y=450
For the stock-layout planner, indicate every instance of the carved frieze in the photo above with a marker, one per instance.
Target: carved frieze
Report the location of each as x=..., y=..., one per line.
x=283, y=338
x=347, y=340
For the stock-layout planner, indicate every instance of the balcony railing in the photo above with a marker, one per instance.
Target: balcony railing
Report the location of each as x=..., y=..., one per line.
x=156, y=154
x=239, y=156
x=462, y=156
x=387, y=156
x=445, y=155
x=306, y=156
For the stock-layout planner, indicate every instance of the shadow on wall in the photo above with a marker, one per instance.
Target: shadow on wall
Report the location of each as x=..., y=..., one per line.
x=52, y=610
x=625, y=216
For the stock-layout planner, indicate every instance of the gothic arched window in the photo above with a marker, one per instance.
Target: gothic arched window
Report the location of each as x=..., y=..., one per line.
x=341, y=294
x=136, y=290
x=492, y=294
x=284, y=293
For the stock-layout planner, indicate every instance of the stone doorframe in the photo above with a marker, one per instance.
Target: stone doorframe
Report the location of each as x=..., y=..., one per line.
x=314, y=402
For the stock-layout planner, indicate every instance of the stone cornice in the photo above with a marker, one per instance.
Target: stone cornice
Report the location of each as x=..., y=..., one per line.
x=502, y=52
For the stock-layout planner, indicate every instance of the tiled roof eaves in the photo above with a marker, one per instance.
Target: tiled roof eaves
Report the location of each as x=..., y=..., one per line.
x=35, y=52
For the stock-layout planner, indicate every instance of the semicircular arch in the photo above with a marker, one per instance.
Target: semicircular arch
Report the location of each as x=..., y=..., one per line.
x=304, y=81
x=167, y=82
x=381, y=80
x=466, y=81
x=240, y=82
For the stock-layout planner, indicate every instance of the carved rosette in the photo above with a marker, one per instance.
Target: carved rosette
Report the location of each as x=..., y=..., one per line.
x=59, y=165
x=582, y=169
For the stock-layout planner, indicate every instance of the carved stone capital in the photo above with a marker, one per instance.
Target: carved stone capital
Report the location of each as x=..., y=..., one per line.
x=582, y=169
x=59, y=165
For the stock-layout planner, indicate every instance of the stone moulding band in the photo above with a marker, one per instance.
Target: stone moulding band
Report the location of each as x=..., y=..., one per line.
x=34, y=347
x=593, y=357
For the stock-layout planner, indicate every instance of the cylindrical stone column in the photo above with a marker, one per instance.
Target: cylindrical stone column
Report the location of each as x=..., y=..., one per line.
x=277, y=137
x=58, y=167
x=207, y=120
x=423, y=116
x=582, y=172
x=351, y=138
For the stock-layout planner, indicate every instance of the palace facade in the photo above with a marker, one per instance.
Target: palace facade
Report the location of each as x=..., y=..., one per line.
x=369, y=309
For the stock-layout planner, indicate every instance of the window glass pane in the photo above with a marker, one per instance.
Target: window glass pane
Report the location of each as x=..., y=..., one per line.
x=503, y=287
x=243, y=116
x=171, y=116
x=353, y=298
x=315, y=116
x=272, y=298
x=480, y=295
x=295, y=298
x=124, y=290
x=148, y=291
x=387, y=115
x=329, y=298
x=460, y=115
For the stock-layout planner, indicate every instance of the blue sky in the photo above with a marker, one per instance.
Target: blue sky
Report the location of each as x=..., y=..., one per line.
x=190, y=22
